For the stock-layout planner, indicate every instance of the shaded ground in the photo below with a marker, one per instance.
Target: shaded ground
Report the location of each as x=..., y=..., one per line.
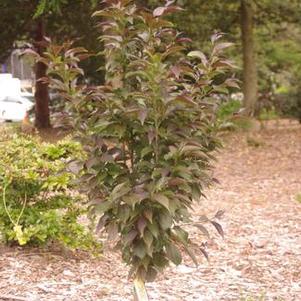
x=260, y=176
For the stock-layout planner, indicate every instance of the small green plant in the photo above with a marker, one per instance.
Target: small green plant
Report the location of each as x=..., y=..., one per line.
x=227, y=109
x=298, y=197
x=148, y=132
x=35, y=205
x=228, y=117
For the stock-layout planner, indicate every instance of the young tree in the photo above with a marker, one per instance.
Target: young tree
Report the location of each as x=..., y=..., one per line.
x=148, y=132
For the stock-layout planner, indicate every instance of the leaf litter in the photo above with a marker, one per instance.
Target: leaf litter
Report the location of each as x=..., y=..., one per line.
x=259, y=257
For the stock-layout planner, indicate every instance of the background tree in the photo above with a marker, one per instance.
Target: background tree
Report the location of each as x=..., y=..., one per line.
x=16, y=17
x=250, y=83
x=56, y=18
x=56, y=8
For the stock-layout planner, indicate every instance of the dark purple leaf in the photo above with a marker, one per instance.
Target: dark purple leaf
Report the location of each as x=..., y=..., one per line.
x=203, y=230
x=173, y=254
x=205, y=253
x=112, y=230
x=101, y=223
x=219, y=214
x=218, y=228
x=149, y=215
x=142, y=115
x=191, y=255
x=184, y=40
x=151, y=135
x=176, y=71
x=129, y=237
x=141, y=224
x=163, y=10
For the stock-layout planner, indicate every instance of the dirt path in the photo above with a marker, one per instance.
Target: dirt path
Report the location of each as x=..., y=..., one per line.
x=260, y=255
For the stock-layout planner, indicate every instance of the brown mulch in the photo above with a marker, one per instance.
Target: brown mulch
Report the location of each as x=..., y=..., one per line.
x=260, y=256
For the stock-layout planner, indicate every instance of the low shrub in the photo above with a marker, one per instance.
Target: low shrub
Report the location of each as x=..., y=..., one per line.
x=230, y=119
x=293, y=106
x=227, y=109
x=37, y=204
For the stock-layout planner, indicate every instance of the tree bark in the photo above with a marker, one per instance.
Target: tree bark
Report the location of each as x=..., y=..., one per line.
x=250, y=85
x=140, y=293
x=42, y=116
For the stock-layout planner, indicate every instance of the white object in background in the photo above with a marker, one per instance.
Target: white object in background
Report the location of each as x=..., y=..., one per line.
x=5, y=76
x=9, y=86
x=14, y=108
x=26, y=94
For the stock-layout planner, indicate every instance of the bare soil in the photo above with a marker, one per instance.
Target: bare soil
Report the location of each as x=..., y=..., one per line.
x=260, y=256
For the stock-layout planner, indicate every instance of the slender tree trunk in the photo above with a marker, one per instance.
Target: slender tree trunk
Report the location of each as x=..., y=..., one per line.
x=250, y=86
x=140, y=293
x=42, y=119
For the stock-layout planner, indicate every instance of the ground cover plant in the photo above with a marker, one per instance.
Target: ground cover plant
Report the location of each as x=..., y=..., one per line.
x=36, y=204
x=148, y=132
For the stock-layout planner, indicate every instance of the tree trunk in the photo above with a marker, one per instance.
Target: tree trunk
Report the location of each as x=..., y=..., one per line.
x=250, y=86
x=140, y=293
x=42, y=119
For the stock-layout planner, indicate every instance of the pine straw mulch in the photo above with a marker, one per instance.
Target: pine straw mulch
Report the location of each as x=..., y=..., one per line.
x=260, y=175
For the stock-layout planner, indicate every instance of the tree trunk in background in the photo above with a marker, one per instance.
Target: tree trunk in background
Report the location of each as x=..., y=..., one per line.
x=250, y=86
x=42, y=119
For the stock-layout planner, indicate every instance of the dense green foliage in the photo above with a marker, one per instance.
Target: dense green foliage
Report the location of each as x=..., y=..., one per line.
x=36, y=205
x=148, y=133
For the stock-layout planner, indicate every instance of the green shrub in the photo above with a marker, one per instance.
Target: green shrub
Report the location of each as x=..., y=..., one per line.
x=229, y=121
x=227, y=109
x=36, y=205
x=288, y=101
x=289, y=104
x=148, y=131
